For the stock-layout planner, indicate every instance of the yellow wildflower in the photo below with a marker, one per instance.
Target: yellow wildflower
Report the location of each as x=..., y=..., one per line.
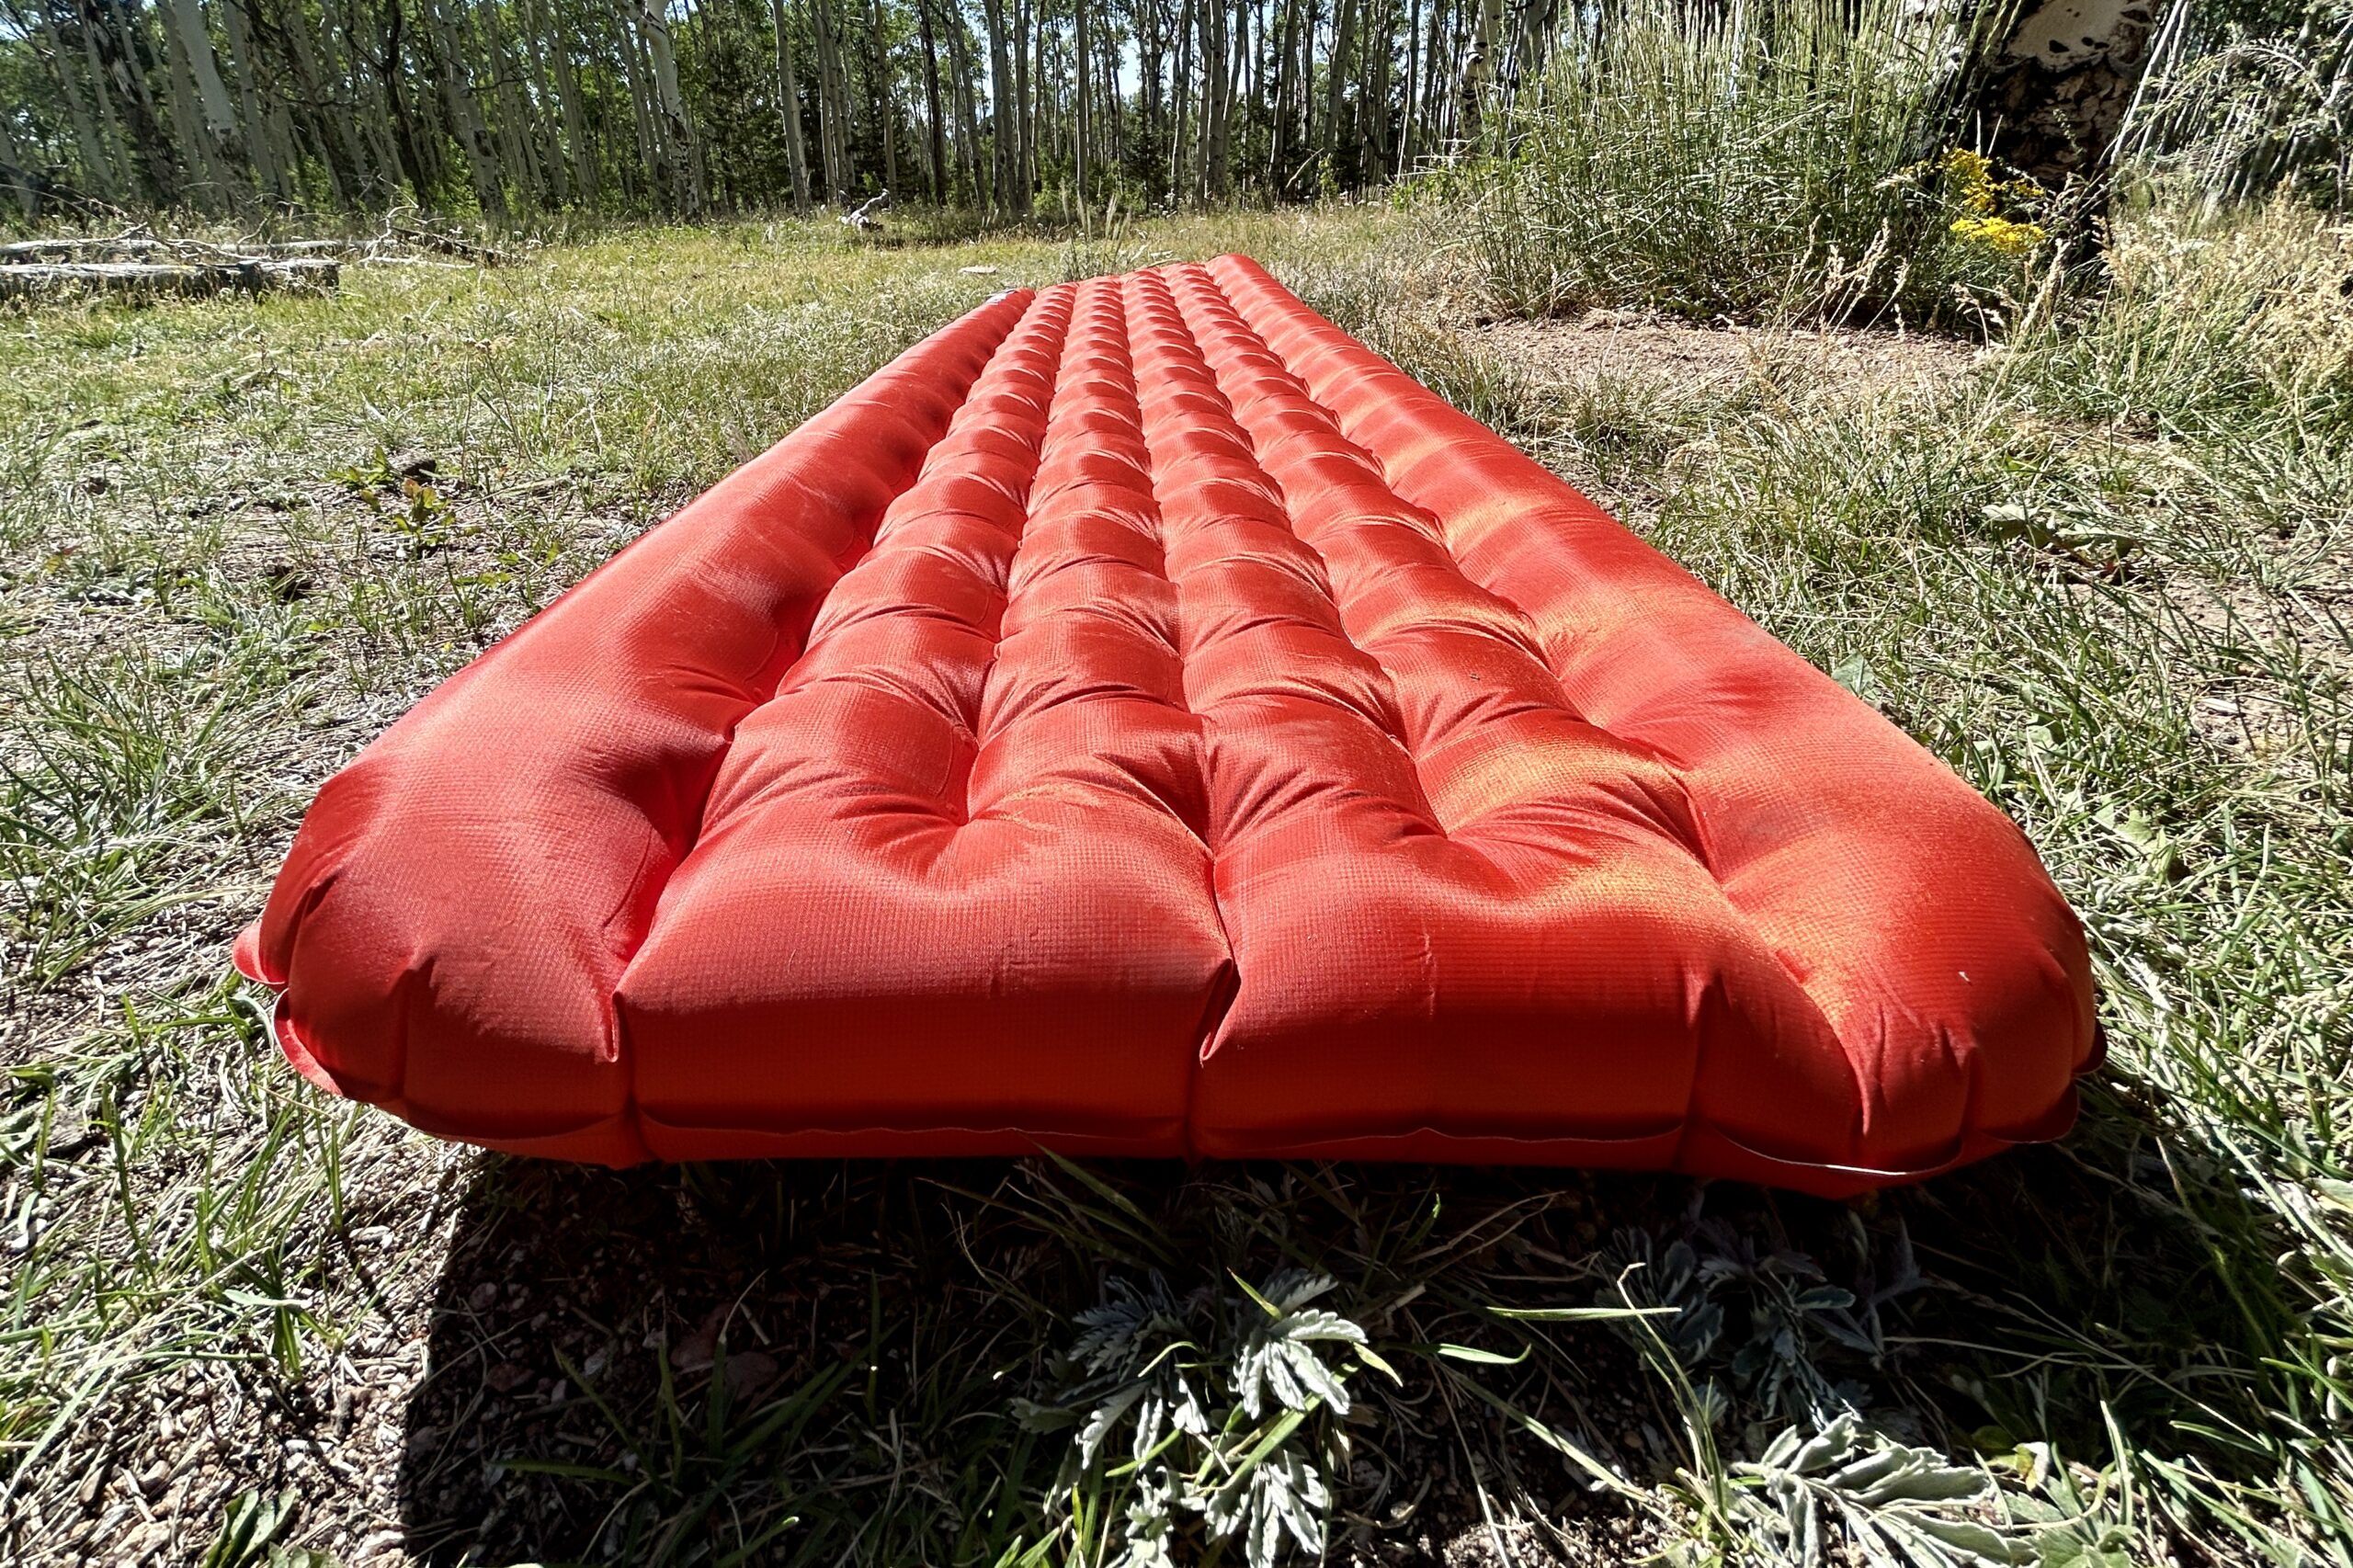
x=2005, y=235
x=1971, y=174
x=1970, y=181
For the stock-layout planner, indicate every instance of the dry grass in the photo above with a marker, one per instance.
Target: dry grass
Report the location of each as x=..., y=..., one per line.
x=2101, y=572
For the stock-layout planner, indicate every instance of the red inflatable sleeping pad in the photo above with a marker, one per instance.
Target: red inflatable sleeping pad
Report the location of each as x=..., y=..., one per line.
x=1141, y=720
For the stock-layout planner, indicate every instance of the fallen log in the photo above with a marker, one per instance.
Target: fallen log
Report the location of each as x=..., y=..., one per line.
x=74, y=248
x=388, y=246
x=144, y=247
x=158, y=280
x=424, y=236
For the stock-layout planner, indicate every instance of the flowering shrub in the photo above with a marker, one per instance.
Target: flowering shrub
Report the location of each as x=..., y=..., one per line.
x=1969, y=183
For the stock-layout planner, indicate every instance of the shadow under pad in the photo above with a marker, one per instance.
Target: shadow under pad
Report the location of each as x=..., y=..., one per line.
x=1140, y=719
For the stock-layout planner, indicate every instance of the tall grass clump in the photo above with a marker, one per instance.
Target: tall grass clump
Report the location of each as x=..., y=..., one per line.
x=2245, y=98
x=2211, y=324
x=1761, y=161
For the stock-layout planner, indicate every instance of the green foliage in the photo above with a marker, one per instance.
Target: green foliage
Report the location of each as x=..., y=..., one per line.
x=248, y=1536
x=1231, y=1413
x=2211, y=328
x=137, y=755
x=1771, y=162
x=1894, y=1502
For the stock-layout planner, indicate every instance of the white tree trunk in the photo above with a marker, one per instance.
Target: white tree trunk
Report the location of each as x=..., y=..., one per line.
x=789, y=89
x=465, y=109
x=192, y=50
x=2063, y=83
x=1004, y=107
x=677, y=131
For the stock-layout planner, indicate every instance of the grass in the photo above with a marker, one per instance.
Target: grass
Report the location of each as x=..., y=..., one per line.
x=1763, y=162
x=2100, y=570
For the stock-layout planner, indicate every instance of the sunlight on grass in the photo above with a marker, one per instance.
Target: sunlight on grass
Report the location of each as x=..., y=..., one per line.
x=2099, y=570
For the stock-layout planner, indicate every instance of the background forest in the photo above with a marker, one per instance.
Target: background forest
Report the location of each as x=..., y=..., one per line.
x=512, y=107
x=612, y=106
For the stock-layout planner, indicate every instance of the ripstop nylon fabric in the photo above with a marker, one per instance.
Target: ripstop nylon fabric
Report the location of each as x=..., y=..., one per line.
x=1141, y=720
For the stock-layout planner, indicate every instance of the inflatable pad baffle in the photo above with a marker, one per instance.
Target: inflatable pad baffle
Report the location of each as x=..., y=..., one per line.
x=1140, y=719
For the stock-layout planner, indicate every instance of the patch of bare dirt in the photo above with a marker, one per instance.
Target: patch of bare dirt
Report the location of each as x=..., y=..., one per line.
x=1634, y=347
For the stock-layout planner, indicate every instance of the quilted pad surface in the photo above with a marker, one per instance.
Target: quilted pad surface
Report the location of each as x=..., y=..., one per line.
x=1141, y=720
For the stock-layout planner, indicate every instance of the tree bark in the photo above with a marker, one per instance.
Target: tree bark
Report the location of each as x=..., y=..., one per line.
x=267, y=145
x=199, y=76
x=1436, y=105
x=1082, y=69
x=833, y=132
x=17, y=178
x=1180, y=92
x=968, y=120
x=351, y=58
x=577, y=143
x=1004, y=141
x=884, y=105
x=1372, y=94
x=1279, y=107
x=97, y=160
x=334, y=127
x=1234, y=27
x=789, y=93
x=416, y=148
x=937, y=140
x=652, y=161
x=1539, y=20
x=678, y=132
x=542, y=130
x=1306, y=78
x=1479, y=68
x=1148, y=21
x=1111, y=129
x=518, y=158
x=1336, y=79
x=1027, y=69
x=114, y=54
x=147, y=280
x=1411, y=83
x=2062, y=85
x=1211, y=14
x=465, y=109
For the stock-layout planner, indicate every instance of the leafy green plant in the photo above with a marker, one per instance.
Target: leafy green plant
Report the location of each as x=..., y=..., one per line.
x=248, y=1536
x=419, y=513
x=136, y=753
x=1894, y=1502
x=1766, y=1317
x=1220, y=1407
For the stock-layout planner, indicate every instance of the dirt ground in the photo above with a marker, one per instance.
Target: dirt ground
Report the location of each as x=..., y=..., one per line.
x=1681, y=360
